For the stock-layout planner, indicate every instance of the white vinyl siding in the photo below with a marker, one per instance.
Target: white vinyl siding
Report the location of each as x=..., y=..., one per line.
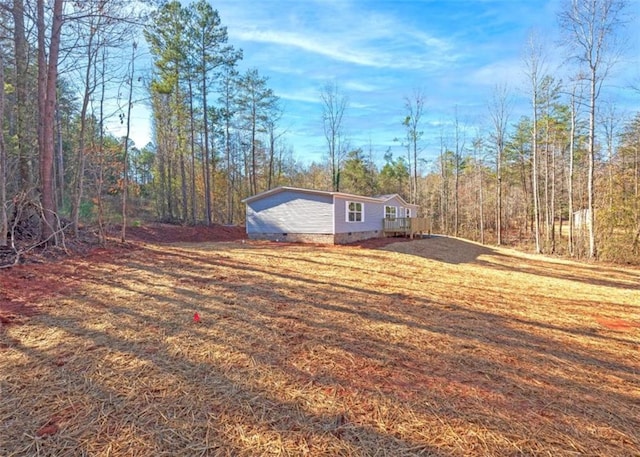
x=355, y=211
x=282, y=213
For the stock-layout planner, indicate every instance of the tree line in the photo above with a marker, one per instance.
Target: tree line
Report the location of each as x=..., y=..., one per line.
x=59, y=59
x=563, y=178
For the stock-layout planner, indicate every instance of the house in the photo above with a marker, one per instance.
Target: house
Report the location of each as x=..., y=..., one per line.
x=305, y=215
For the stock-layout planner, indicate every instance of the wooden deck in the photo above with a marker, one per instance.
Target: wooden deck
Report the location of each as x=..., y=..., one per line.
x=407, y=226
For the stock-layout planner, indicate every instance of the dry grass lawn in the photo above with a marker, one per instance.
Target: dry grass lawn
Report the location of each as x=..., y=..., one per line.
x=433, y=347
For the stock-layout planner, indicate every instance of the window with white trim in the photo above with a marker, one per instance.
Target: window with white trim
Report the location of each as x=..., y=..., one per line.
x=390, y=212
x=407, y=212
x=355, y=212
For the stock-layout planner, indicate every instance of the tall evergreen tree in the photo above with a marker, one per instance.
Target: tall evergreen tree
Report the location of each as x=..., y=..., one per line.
x=169, y=45
x=47, y=85
x=394, y=176
x=210, y=53
x=358, y=175
x=256, y=103
x=4, y=223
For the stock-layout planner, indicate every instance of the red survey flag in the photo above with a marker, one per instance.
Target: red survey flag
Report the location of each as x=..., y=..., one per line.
x=196, y=317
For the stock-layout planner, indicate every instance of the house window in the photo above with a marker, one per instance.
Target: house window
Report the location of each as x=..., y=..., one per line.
x=390, y=212
x=407, y=212
x=354, y=212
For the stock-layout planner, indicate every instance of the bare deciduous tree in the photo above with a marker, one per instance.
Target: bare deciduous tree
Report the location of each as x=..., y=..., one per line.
x=478, y=152
x=414, y=107
x=534, y=69
x=125, y=158
x=334, y=105
x=590, y=27
x=499, y=110
x=458, y=161
x=570, y=175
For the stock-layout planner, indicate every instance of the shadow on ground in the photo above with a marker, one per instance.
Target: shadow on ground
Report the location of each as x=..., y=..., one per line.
x=443, y=249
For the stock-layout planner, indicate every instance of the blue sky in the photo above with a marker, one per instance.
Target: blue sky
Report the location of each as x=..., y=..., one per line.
x=379, y=52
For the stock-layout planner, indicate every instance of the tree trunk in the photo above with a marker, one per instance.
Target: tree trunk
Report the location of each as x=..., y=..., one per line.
x=125, y=159
x=59, y=161
x=170, y=179
x=570, y=177
x=443, y=191
x=593, y=252
x=636, y=200
x=553, y=200
x=254, y=166
x=527, y=221
x=534, y=177
x=410, y=169
x=99, y=180
x=47, y=80
x=4, y=223
x=181, y=152
x=205, y=109
x=231, y=171
x=22, y=100
x=547, y=204
x=414, y=198
x=636, y=192
x=458, y=166
x=272, y=152
x=192, y=150
x=183, y=187
x=481, y=203
x=499, y=196
x=456, y=194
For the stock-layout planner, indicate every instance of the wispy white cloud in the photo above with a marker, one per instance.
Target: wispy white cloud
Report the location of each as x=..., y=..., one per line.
x=303, y=95
x=341, y=32
x=337, y=48
x=507, y=71
x=360, y=86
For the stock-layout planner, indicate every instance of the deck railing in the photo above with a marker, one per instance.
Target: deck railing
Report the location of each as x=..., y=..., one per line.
x=406, y=226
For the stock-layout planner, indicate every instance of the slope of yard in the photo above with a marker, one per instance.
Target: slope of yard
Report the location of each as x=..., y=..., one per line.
x=432, y=347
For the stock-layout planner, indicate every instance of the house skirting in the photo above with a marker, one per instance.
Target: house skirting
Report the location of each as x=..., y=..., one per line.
x=353, y=237
x=319, y=238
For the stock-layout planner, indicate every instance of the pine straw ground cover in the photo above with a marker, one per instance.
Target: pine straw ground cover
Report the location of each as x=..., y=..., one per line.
x=432, y=347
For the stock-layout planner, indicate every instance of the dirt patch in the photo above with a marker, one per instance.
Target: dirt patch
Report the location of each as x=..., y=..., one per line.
x=23, y=287
x=167, y=233
x=618, y=324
